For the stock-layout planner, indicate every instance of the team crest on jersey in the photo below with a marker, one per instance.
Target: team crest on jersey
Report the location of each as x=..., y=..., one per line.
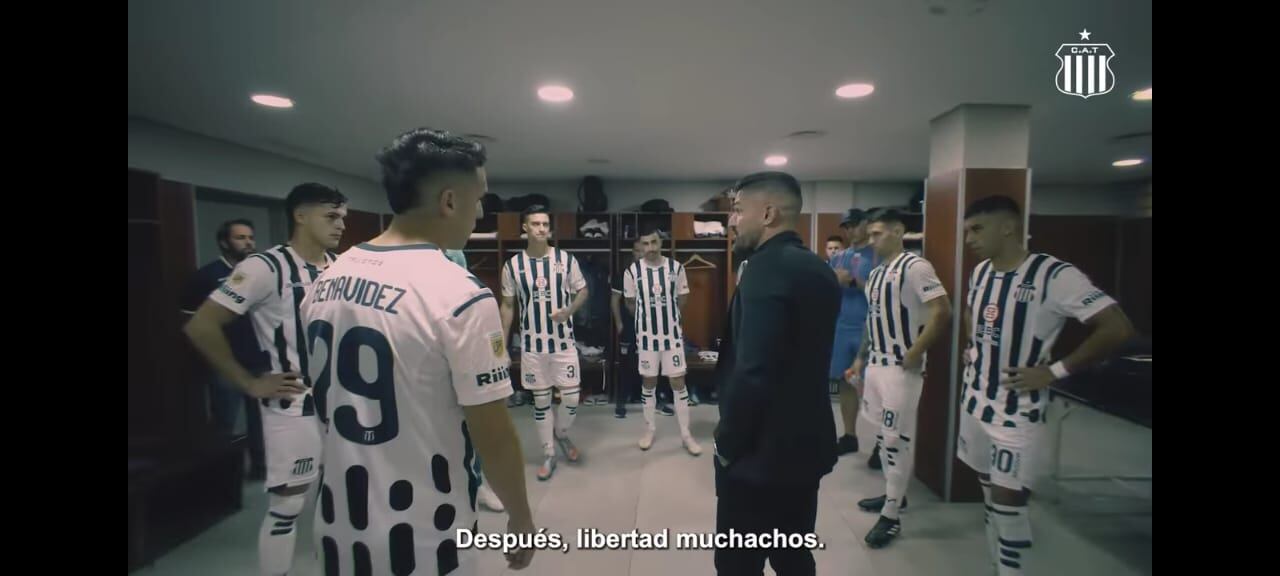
x=657, y=289
x=991, y=312
x=495, y=343
x=891, y=276
x=541, y=283
x=1025, y=292
x=237, y=278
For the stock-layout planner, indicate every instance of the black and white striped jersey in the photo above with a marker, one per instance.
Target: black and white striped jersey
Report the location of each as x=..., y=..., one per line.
x=1015, y=318
x=270, y=286
x=655, y=289
x=542, y=286
x=897, y=291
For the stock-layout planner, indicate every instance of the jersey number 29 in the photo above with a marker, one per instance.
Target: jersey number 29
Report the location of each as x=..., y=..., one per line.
x=346, y=363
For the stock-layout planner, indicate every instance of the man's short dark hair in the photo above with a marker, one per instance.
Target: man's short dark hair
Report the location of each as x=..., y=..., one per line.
x=772, y=181
x=853, y=217
x=311, y=193
x=835, y=239
x=886, y=216
x=421, y=153
x=224, y=229
x=531, y=210
x=993, y=205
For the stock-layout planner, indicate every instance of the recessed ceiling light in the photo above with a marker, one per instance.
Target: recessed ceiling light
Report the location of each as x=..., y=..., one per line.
x=1128, y=162
x=1142, y=95
x=806, y=135
x=858, y=90
x=272, y=101
x=555, y=93
x=776, y=160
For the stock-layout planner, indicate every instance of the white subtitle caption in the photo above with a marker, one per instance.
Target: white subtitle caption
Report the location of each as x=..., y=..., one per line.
x=592, y=539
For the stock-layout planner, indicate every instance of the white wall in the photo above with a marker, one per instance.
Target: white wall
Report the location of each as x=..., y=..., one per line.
x=686, y=196
x=211, y=213
x=1106, y=200
x=203, y=161
x=624, y=195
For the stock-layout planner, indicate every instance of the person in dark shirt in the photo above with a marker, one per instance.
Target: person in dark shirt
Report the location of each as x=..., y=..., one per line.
x=236, y=242
x=776, y=436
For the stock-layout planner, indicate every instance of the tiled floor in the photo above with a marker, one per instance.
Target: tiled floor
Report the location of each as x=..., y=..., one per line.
x=1096, y=528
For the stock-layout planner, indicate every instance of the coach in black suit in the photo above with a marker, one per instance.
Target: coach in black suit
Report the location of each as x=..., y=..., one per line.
x=776, y=436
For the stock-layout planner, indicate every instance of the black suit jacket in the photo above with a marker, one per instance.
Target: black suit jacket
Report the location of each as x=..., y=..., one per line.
x=776, y=424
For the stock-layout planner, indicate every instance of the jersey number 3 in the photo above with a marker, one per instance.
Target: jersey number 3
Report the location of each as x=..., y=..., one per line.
x=346, y=363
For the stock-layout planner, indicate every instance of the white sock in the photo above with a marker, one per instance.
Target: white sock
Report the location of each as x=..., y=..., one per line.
x=993, y=534
x=568, y=410
x=1015, y=538
x=543, y=419
x=681, y=401
x=650, y=406
x=897, y=459
x=279, y=533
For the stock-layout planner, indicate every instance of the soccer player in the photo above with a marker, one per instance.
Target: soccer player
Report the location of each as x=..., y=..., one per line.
x=411, y=374
x=1016, y=306
x=270, y=287
x=908, y=311
x=655, y=288
x=550, y=287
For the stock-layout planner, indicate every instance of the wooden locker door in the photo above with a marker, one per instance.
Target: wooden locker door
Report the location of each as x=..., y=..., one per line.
x=361, y=227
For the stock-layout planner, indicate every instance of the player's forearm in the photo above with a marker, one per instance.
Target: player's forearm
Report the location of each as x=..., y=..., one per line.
x=579, y=300
x=1111, y=331
x=507, y=312
x=208, y=338
x=939, y=320
x=680, y=302
x=615, y=306
x=864, y=348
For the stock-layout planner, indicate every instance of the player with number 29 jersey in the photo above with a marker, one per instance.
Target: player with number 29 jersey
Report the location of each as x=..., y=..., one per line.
x=393, y=364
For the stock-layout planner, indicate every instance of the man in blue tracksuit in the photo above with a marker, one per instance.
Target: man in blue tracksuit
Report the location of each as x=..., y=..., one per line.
x=852, y=266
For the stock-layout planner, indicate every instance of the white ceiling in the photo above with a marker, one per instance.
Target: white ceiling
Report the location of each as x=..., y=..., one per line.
x=666, y=89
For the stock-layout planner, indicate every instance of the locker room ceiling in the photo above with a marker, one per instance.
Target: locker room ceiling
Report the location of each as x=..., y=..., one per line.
x=665, y=89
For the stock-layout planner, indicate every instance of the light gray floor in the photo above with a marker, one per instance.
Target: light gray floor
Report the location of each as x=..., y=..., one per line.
x=1094, y=527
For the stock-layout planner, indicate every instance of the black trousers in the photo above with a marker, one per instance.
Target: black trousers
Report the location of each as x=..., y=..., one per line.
x=750, y=508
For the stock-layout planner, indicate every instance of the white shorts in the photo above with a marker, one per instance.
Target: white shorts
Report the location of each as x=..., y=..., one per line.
x=890, y=398
x=1007, y=454
x=671, y=363
x=541, y=371
x=293, y=448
